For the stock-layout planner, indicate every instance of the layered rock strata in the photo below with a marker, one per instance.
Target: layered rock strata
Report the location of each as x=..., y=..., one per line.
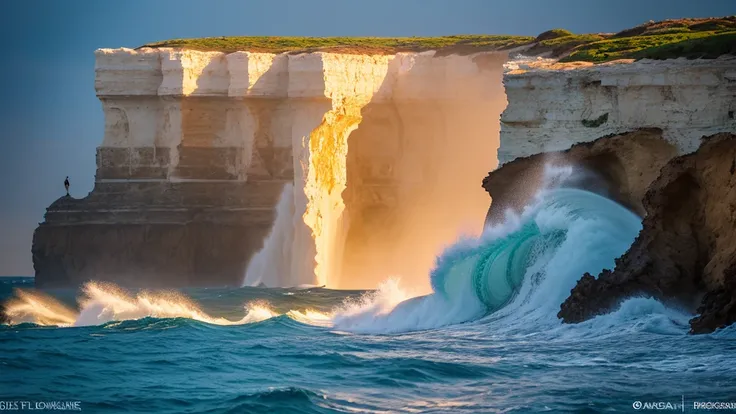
x=554, y=106
x=198, y=145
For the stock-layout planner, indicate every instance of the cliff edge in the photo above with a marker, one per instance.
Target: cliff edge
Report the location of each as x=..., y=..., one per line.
x=198, y=147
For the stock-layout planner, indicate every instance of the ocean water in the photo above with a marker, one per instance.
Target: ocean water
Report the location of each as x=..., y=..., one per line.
x=487, y=340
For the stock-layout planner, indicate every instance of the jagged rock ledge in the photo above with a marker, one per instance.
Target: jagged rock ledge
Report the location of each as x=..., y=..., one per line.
x=686, y=253
x=619, y=166
x=634, y=124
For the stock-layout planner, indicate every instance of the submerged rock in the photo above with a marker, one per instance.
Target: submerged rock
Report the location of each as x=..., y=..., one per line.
x=686, y=253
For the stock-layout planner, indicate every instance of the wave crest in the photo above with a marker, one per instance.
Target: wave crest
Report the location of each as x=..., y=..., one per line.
x=105, y=302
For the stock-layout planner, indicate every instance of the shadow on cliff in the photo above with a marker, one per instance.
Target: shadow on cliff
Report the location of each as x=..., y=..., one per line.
x=252, y=165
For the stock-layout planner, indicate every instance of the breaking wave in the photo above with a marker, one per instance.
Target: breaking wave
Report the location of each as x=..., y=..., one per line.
x=522, y=269
x=516, y=273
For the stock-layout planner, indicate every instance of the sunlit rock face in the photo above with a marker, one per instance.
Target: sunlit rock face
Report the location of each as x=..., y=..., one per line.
x=198, y=146
x=413, y=167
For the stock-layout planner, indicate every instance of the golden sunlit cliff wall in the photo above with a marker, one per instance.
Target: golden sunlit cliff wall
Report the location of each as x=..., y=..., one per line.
x=198, y=146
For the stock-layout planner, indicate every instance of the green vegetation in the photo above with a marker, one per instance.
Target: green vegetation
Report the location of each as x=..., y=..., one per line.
x=665, y=46
x=668, y=39
x=690, y=38
x=455, y=44
x=709, y=47
x=595, y=123
x=561, y=45
x=553, y=34
x=681, y=26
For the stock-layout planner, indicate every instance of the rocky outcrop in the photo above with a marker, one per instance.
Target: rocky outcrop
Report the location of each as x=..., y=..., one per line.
x=553, y=106
x=154, y=234
x=686, y=253
x=630, y=126
x=620, y=167
x=198, y=146
x=718, y=307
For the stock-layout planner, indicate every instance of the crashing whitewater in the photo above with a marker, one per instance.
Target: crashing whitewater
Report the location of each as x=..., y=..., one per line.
x=515, y=273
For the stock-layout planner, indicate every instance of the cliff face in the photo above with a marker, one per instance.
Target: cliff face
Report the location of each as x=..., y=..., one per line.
x=620, y=167
x=198, y=145
x=384, y=152
x=636, y=129
x=553, y=106
x=687, y=247
x=637, y=116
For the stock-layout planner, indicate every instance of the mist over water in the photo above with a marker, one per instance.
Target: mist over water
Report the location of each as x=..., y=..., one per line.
x=271, y=266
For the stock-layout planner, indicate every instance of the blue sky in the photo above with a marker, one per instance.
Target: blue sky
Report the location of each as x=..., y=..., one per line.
x=52, y=121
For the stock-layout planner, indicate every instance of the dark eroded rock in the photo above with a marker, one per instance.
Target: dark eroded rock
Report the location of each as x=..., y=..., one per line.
x=620, y=166
x=686, y=252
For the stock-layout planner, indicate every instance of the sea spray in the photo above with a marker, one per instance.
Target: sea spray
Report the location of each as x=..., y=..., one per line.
x=38, y=308
x=271, y=266
x=285, y=260
x=391, y=309
x=541, y=254
x=105, y=302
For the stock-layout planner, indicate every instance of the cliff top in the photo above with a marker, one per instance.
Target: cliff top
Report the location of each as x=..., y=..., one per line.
x=355, y=45
x=690, y=38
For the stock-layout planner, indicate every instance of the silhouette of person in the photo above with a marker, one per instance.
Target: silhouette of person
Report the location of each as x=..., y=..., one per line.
x=66, y=185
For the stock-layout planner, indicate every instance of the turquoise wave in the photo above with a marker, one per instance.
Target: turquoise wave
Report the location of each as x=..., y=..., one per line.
x=496, y=266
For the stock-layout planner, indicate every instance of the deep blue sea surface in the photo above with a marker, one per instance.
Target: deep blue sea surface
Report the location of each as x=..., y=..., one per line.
x=283, y=365
x=488, y=340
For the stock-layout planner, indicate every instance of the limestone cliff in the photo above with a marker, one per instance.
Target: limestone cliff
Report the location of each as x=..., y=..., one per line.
x=384, y=152
x=198, y=145
x=553, y=106
x=648, y=111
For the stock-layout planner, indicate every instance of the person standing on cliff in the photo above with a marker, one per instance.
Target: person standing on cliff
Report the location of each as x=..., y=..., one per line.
x=66, y=185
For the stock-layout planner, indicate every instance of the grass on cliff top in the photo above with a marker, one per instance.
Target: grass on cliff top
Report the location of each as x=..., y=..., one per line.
x=560, y=46
x=450, y=44
x=690, y=38
x=669, y=39
x=706, y=45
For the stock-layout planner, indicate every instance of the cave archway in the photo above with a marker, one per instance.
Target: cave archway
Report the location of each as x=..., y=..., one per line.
x=605, y=174
x=620, y=167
